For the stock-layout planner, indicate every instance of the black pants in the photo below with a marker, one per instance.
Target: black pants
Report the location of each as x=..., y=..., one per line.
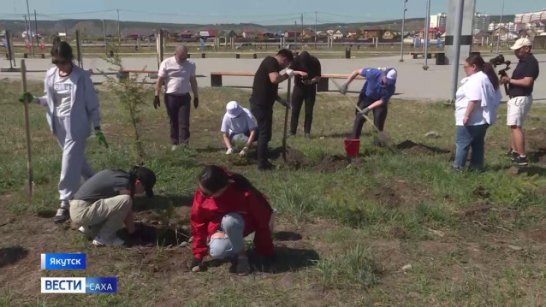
x=298, y=96
x=379, y=116
x=264, y=119
x=178, y=109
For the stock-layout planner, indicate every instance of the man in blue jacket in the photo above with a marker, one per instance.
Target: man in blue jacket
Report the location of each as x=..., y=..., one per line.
x=375, y=94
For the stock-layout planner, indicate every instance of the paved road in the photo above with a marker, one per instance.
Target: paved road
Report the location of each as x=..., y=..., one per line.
x=413, y=83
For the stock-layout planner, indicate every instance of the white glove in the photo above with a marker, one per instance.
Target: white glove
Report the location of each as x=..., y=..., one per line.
x=289, y=72
x=243, y=151
x=343, y=89
x=229, y=151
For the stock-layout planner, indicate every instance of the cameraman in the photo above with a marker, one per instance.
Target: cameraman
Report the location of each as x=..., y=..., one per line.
x=520, y=91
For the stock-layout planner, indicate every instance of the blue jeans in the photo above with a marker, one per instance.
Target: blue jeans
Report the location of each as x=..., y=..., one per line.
x=233, y=226
x=470, y=137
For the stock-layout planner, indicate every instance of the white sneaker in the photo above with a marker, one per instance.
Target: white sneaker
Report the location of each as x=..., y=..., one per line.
x=86, y=231
x=113, y=241
x=174, y=147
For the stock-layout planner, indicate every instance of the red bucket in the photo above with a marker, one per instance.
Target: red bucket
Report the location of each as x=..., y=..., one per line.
x=352, y=147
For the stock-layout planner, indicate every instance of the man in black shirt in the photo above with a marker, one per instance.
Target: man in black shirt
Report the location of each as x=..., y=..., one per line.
x=304, y=89
x=104, y=203
x=264, y=93
x=520, y=91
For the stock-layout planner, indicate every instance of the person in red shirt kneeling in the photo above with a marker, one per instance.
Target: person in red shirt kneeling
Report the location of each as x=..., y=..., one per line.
x=226, y=208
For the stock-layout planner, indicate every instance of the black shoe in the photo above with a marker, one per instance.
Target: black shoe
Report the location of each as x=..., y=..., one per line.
x=521, y=161
x=267, y=166
x=61, y=216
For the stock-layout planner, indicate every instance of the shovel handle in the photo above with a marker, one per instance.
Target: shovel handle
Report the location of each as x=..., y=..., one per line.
x=27, y=128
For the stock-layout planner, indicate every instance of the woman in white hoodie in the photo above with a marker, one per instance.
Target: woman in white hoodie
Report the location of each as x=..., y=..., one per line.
x=477, y=100
x=72, y=107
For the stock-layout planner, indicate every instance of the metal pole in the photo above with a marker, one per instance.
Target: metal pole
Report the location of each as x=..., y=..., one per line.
x=27, y=29
x=457, y=48
x=30, y=29
x=315, y=29
x=301, y=31
x=119, y=32
x=402, y=31
x=104, y=37
x=78, y=49
x=10, y=51
x=427, y=27
x=36, y=29
x=498, y=28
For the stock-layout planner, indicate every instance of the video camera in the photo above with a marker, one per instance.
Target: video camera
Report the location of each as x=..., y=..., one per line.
x=499, y=60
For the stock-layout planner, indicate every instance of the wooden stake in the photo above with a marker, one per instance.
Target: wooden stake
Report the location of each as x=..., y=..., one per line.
x=27, y=128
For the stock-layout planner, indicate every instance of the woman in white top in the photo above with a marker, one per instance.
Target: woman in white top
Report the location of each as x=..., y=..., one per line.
x=477, y=100
x=72, y=107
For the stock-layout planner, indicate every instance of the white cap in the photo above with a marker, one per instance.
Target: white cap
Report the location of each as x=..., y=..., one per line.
x=522, y=42
x=233, y=109
x=392, y=74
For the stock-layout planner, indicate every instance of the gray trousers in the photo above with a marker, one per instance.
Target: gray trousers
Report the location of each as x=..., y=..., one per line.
x=74, y=165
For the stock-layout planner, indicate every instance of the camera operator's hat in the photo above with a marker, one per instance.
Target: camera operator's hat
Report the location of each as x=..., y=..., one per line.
x=522, y=42
x=233, y=109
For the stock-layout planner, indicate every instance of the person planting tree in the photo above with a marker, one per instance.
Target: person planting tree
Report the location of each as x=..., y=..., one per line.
x=226, y=208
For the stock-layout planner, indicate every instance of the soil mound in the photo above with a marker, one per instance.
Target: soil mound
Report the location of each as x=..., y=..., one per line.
x=418, y=149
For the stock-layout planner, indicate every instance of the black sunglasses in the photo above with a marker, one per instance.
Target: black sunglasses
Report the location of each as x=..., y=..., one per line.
x=59, y=62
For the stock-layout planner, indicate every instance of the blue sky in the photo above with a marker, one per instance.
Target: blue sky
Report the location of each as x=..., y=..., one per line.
x=254, y=11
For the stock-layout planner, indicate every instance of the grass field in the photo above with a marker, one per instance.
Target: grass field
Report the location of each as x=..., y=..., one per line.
x=392, y=228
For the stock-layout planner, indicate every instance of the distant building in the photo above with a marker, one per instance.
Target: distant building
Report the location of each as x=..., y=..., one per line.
x=481, y=22
x=534, y=21
x=338, y=35
x=185, y=35
x=249, y=34
x=438, y=21
x=209, y=33
x=508, y=26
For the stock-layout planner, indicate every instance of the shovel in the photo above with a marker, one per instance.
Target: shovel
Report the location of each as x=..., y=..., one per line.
x=289, y=86
x=383, y=137
x=27, y=129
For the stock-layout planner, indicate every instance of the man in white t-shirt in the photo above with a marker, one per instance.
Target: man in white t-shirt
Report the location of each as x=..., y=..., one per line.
x=178, y=76
x=238, y=126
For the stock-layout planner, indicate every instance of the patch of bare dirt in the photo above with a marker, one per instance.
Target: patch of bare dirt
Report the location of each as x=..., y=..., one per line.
x=294, y=159
x=537, y=234
x=398, y=193
x=330, y=164
x=157, y=230
x=411, y=147
x=387, y=196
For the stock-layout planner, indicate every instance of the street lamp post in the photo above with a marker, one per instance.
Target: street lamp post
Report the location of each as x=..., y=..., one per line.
x=402, y=32
x=498, y=28
x=427, y=28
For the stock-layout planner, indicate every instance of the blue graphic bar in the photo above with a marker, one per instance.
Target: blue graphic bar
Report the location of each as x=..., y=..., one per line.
x=101, y=285
x=65, y=261
x=88, y=285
